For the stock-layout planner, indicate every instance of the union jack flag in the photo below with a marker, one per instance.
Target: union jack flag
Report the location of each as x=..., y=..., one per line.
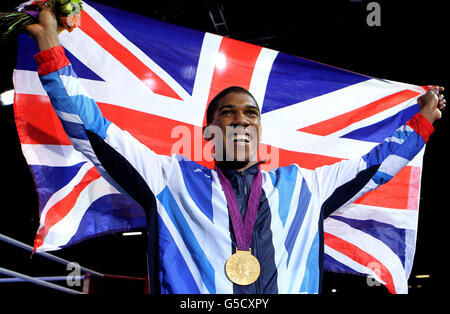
x=312, y=114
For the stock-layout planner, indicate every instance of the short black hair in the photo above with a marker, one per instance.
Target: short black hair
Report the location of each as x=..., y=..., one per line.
x=212, y=106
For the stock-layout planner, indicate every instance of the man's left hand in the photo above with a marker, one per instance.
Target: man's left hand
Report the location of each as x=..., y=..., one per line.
x=432, y=104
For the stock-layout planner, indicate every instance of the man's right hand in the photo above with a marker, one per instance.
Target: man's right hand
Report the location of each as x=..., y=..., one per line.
x=46, y=31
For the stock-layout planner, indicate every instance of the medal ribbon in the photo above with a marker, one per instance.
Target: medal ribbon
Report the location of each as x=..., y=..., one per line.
x=243, y=230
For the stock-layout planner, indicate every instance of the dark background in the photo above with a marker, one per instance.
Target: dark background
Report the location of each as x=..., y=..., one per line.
x=409, y=46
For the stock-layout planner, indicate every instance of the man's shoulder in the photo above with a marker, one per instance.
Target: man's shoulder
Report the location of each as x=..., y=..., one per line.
x=288, y=172
x=189, y=167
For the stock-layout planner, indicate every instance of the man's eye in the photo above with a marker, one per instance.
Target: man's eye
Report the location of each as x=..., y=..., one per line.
x=253, y=113
x=227, y=112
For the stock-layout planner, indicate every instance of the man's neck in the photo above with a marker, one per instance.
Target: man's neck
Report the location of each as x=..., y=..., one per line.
x=239, y=166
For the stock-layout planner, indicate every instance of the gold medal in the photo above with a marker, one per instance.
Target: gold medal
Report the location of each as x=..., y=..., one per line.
x=242, y=268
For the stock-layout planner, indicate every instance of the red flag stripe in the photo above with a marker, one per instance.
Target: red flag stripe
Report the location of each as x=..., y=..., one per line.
x=156, y=133
x=234, y=66
x=339, y=122
x=127, y=58
x=37, y=122
x=361, y=257
x=397, y=193
x=151, y=130
x=414, y=188
x=394, y=194
x=64, y=206
x=304, y=160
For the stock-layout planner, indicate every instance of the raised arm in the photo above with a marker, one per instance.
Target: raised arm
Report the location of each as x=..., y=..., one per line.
x=119, y=157
x=342, y=183
x=46, y=31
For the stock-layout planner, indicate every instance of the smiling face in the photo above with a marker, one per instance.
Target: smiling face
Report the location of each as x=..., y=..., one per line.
x=238, y=118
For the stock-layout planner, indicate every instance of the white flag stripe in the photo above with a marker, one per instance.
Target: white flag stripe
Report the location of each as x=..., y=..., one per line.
x=345, y=148
x=291, y=140
x=399, y=218
x=111, y=30
x=121, y=93
x=121, y=82
x=203, y=77
x=416, y=88
x=63, y=192
x=61, y=232
x=123, y=88
x=338, y=102
x=376, y=117
x=52, y=155
x=344, y=259
x=372, y=246
x=27, y=82
x=261, y=74
x=306, y=113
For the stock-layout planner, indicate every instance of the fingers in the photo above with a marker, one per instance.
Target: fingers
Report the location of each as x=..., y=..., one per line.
x=437, y=91
x=432, y=103
x=41, y=5
x=442, y=102
x=430, y=98
x=441, y=99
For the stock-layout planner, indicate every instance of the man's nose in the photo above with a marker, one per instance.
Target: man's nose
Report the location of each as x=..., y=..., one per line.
x=241, y=119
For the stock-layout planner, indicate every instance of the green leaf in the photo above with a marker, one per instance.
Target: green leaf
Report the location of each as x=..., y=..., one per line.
x=67, y=8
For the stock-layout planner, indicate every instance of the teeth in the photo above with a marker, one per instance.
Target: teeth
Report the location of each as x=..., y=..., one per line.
x=241, y=137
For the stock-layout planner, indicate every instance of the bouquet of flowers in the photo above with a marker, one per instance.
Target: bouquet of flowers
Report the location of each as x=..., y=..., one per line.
x=68, y=13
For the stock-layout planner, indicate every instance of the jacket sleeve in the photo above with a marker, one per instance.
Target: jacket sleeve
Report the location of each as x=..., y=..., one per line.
x=342, y=183
x=115, y=153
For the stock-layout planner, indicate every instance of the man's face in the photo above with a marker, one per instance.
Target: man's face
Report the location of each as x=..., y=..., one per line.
x=238, y=118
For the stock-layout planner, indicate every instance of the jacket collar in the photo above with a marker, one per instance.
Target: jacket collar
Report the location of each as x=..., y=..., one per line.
x=250, y=171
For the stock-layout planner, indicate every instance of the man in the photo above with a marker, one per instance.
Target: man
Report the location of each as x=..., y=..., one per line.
x=234, y=229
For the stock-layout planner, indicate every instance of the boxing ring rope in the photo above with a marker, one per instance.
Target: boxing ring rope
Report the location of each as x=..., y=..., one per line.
x=45, y=278
x=42, y=281
x=39, y=282
x=45, y=254
x=90, y=286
